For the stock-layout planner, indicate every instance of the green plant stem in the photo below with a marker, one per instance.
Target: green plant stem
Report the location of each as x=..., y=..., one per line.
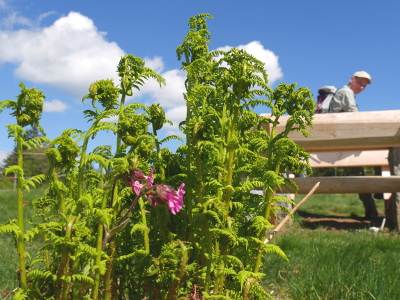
x=192, y=81
x=161, y=170
x=161, y=226
x=62, y=289
x=207, y=252
x=108, y=275
x=99, y=248
x=231, y=138
x=219, y=273
x=146, y=229
x=121, y=109
x=21, y=224
x=268, y=198
x=82, y=162
x=180, y=273
x=99, y=243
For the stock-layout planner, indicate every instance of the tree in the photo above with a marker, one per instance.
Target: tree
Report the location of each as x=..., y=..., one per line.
x=35, y=162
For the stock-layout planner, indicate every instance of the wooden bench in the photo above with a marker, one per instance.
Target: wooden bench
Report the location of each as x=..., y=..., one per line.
x=350, y=139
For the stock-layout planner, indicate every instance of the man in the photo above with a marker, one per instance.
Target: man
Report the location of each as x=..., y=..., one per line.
x=344, y=100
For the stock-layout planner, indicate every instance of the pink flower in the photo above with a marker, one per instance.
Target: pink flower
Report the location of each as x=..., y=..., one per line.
x=164, y=194
x=175, y=199
x=150, y=179
x=161, y=194
x=132, y=179
x=136, y=187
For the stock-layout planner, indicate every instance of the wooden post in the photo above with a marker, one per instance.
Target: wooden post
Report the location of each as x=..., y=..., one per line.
x=393, y=210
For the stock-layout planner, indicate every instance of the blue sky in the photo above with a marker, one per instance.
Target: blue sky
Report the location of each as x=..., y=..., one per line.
x=61, y=47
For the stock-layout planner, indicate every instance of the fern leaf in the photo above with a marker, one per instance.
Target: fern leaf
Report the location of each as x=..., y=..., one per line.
x=273, y=249
x=79, y=277
x=10, y=228
x=31, y=182
x=14, y=169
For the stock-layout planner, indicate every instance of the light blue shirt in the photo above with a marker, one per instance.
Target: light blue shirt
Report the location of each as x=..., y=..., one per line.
x=344, y=100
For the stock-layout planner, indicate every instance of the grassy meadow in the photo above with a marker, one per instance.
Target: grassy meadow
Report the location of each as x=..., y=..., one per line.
x=8, y=252
x=324, y=263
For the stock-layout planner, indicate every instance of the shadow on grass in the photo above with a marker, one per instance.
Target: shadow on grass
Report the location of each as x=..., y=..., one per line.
x=315, y=221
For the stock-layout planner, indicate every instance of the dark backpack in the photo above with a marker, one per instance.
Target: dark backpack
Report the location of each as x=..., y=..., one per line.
x=325, y=95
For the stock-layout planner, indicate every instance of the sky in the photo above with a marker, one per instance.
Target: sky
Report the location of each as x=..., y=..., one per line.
x=61, y=47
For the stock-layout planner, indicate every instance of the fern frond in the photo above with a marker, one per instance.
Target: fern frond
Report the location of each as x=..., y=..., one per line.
x=171, y=137
x=32, y=181
x=138, y=227
x=30, y=234
x=20, y=295
x=231, y=260
x=15, y=131
x=7, y=104
x=79, y=277
x=33, y=274
x=36, y=142
x=14, y=169
x=273, y=249
x=93, y=157
x=213, y=215
x=104, y=216
x=227, y=233
x=10, y=228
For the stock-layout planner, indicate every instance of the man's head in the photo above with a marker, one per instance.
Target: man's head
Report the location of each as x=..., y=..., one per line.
x=359, y=81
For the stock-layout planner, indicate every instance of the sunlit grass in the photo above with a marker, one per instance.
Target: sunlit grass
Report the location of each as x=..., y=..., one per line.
x=8, y=253
x=335, y=265
x=344, y=205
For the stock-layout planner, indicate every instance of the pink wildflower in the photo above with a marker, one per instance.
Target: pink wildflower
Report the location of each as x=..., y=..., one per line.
x=136, y=187
x=132, y=179
x=150, y=179
x=164, y=194
x=175, y=199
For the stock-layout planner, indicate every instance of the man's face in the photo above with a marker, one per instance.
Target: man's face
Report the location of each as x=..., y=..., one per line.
x=358, y=84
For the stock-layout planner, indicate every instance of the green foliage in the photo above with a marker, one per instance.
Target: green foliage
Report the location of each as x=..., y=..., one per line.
x=98, y=243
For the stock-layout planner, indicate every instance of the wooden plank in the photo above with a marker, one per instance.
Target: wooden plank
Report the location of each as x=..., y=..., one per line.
x=354, y=144
x=348, y=131
x=349, y=159
x=348, y=184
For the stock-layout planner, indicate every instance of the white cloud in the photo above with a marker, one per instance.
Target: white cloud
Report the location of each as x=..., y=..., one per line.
x=155, y=64
x=3, y=155
x=54, y=106
x=70, y=54
x=176, y=114
x=268, y=57
x=169, y=95
x=15, y=19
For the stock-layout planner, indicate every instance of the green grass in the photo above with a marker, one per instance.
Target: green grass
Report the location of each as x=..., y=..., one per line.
x=331, y=264
x=8, y=253
x=344, y=205
x=335, y=265
x=323, y=264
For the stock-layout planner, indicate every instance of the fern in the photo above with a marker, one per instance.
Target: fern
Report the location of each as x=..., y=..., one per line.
x=33, y=181
x=10, y=228
x=14, y=169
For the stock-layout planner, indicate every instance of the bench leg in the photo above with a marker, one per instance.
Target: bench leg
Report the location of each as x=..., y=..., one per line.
x=393, y=211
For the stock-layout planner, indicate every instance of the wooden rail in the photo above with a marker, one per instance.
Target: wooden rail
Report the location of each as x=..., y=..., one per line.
x=349, y=140
x=357, y=131
x=348, y=184
x=350, y=159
